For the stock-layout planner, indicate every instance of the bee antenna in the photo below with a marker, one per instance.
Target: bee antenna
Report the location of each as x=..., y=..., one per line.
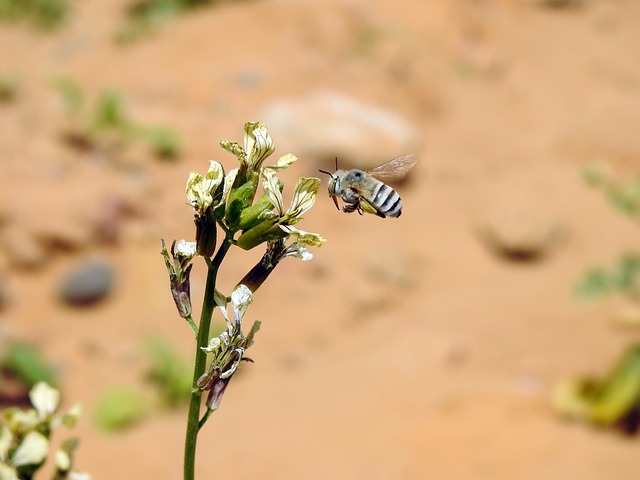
x=336, y=163
x=328, y=173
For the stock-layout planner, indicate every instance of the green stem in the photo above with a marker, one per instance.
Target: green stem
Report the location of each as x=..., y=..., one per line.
x=208, y=306
x=192, y=324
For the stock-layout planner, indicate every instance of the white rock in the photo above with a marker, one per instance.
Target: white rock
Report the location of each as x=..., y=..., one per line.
x=325, y=125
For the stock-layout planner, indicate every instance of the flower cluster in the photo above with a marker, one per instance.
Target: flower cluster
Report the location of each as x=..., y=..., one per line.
x=25, y=437
x=229, y=199
x=229, y=211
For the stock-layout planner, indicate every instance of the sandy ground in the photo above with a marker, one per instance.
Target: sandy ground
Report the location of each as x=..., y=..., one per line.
x=406, y=349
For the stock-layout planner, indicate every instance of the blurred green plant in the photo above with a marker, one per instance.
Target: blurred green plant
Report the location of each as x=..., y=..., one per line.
x=169, y=371
x=119, y=408
x=43, y=14
x=26, y=434
x=27, y=364
x=623, y=196
x=107, y=126
x=611, y=401
x=624, y=276
x=146, y=16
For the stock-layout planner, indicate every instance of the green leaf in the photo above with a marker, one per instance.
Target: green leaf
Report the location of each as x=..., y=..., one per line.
x=28, y=364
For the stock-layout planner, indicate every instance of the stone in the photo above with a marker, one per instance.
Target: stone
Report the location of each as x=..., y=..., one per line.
x=88, y=283
x=519, y=232
x=326, y=125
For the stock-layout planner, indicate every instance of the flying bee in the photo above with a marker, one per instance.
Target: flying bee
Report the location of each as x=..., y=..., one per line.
x=363, y=191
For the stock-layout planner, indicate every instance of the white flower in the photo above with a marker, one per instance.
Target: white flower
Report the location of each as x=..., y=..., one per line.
x=22, y=420
x=214, y=345
x=241, y=298
x=62, y=460
x=32, y=451
x=186, y=250
x=258, y=144
x=298, y=250
x=8, y=473
x=304, y=196
x=79, y=476
x=201, y=188
x=45, y=399
x=5, y=442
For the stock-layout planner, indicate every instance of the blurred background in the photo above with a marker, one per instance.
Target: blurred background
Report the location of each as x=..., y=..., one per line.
x=436, y=345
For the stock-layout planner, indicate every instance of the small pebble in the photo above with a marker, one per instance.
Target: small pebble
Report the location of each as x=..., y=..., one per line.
x=87, y=284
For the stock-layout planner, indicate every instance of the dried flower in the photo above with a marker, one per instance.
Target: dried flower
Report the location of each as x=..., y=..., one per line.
x=228, y=348
x=178, y=263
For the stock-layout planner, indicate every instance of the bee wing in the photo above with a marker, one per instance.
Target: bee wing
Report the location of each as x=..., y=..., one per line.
x=396, y=168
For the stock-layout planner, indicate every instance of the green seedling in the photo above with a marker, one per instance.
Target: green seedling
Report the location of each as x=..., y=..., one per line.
x=611, y=401
x=119, y=408
x=43, y=14
x=169, y=372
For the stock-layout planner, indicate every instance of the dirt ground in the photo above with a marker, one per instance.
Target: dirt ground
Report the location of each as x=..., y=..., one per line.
x=406, y=349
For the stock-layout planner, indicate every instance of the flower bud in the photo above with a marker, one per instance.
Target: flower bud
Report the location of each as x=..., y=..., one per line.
x=206, y=233
x=262, y=232
x=241, y=198
x=276, y=251
x=256, y=213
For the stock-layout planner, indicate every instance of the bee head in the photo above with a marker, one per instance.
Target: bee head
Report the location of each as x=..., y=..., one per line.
x=334, y=184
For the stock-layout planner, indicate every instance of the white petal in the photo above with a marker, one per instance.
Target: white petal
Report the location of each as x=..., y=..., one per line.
x=298, y=250
x=62, y=460
x=216, y=172
x=8, y=473
x=32, y=451
x=241, y=298
x=214, y=344
x=271, y=188
x=307, y=238
x=304, y=196
x=228, y=183
x=79, y=476
x=186, y=249
x=45, y=399
x=5, y=442
x=258, y=144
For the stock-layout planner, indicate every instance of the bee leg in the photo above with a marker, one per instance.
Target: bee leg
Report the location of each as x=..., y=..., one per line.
x=369, y=208
x=350, y=208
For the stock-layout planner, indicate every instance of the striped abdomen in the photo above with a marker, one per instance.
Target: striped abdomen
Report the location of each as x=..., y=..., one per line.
x=386, y=200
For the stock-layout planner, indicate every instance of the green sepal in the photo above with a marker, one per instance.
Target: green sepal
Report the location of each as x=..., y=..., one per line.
x=267, y=230
x=251, y=216
x=239, y=199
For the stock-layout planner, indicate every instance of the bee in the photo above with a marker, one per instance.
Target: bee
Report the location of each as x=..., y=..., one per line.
x=363, y=191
